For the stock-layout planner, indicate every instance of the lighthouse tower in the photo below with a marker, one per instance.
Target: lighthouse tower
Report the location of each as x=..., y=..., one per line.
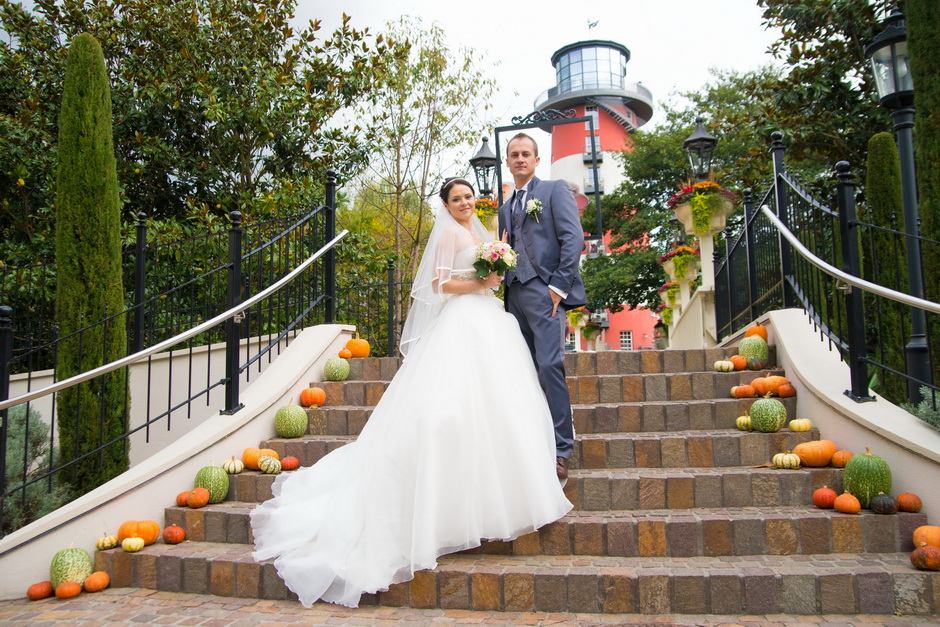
x=591, y=78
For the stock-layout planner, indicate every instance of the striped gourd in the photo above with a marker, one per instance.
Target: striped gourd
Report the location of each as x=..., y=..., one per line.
x=69, y=565
x=215, y=480
x=768, y=415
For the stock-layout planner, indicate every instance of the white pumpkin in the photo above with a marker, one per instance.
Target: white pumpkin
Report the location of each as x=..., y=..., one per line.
x=233, y=466
x=269, y=465
x=723, y=365
x=786, y=460
x=800, y=424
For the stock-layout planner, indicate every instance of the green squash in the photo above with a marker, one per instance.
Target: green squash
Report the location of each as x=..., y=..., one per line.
x=865, y=476
x=215, y=480
x=69, y=565
x=290, y=421
x=754, y=347
x=768, y=415
x=336, y=369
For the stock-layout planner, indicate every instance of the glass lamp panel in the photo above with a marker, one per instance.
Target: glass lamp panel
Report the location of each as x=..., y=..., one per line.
x=883, y=68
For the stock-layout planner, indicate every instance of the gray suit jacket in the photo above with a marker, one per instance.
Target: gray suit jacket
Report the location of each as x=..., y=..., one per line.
x=554, y=242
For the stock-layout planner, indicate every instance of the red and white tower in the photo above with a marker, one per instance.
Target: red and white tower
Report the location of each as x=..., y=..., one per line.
x=591, y=78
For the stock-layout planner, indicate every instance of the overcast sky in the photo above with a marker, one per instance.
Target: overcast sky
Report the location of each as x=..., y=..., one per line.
x=673, y=43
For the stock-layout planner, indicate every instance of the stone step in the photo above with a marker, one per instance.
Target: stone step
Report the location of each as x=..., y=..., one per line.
x=679, y=449
x=588, y=418
x=584, y=389
x=585, y=363
x=648, y=488
x=645, y=533
x=845, y=583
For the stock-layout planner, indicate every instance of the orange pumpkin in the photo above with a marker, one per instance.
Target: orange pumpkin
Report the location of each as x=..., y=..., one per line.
x=740, y=363
x=174, y=534
x=927, y=534
x=743, y=391
x=926, y=557
x=146, y=530
x=345, y=353
x=908, y=502
x=181, y=498
x=358, y=347
x=786, y=391
x=841, y=458
x=847, y=504
x=39, y=590
x=97, y=581
x=815, y=453
x=290, y=463
x=761, y=386
x=756, y=329
x=251, y=456
x=824, y=497
x=313, y=397
x=199, y=497
x=68, y=590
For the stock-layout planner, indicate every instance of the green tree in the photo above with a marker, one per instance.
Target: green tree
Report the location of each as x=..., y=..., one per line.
x=218, y=105
x=923, y=25
x=88, y=255
x=884, y=262
x=434, y=100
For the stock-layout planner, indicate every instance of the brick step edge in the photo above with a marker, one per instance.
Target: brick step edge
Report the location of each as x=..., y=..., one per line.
x=847, y=583
x=648, y=488
x=582, y=389
x=735, y=531
x=589, y=418
x=591, y=363
x=710, y=448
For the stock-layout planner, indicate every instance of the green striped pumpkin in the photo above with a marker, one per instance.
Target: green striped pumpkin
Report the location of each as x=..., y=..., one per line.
x=768, y=415
x=215, y=480
x=865, y=476
x=69, y=565
x=754, y=347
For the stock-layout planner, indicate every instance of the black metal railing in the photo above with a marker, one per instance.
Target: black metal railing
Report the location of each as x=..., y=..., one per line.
x=859, y=312
x=287, y=274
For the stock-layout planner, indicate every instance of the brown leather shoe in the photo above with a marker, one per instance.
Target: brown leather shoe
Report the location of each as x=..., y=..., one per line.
x=561, y=469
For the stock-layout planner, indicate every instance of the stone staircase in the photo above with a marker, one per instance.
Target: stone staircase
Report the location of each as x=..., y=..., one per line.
x=670, y=515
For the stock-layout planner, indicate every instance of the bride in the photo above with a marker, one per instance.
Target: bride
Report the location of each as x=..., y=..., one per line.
x=460, y=448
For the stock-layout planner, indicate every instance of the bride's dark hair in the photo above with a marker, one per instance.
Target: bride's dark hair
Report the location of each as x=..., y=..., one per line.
x=449, y=184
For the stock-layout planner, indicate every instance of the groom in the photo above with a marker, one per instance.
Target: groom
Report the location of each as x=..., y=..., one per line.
x=542, y=222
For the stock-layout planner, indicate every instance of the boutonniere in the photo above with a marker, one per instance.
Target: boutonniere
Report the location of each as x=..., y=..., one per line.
x=533, y=208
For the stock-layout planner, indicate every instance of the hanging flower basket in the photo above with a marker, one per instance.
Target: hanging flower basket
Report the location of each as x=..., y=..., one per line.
x=702, y=208
x=668, y=293
x=681, y=264
x=578, y=317
x=590, y=331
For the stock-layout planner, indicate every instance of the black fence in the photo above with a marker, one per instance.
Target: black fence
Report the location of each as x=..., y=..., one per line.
x=40, y=475
x=873, y=333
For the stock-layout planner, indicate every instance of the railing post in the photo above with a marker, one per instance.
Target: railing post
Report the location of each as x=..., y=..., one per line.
x=6, y=338
x=329, y=261
x=232, y=325
x=140, y=267
x=916, y=353
x=749, y=210
x=390, y=268
x=780, y=191
x=848, y=226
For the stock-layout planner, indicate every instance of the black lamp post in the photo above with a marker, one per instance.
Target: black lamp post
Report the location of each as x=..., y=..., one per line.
x=892, y=68
x=484, y=167
x=700, y=146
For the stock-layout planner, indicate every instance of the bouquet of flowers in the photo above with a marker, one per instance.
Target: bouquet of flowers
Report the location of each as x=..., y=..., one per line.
x=494, y=257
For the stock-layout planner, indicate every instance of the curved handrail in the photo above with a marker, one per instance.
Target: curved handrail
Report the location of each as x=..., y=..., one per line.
x=846, y=278
x=185, y=335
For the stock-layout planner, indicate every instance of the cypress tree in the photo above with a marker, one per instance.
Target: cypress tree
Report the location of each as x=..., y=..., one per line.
x=923, y=35
x=88, y=256
x=885, y=263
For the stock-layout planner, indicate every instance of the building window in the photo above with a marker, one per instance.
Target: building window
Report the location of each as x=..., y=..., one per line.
x=591, y=111
x=626, y=340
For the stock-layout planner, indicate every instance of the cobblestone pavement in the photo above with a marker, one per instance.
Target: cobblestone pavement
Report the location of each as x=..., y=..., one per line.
x=128, y=606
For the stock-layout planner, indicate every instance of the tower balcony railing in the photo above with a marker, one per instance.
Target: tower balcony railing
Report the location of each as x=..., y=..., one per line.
x=632, y=91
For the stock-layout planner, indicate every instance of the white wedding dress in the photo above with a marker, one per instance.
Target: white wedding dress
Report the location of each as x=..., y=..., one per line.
x=460, y=448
